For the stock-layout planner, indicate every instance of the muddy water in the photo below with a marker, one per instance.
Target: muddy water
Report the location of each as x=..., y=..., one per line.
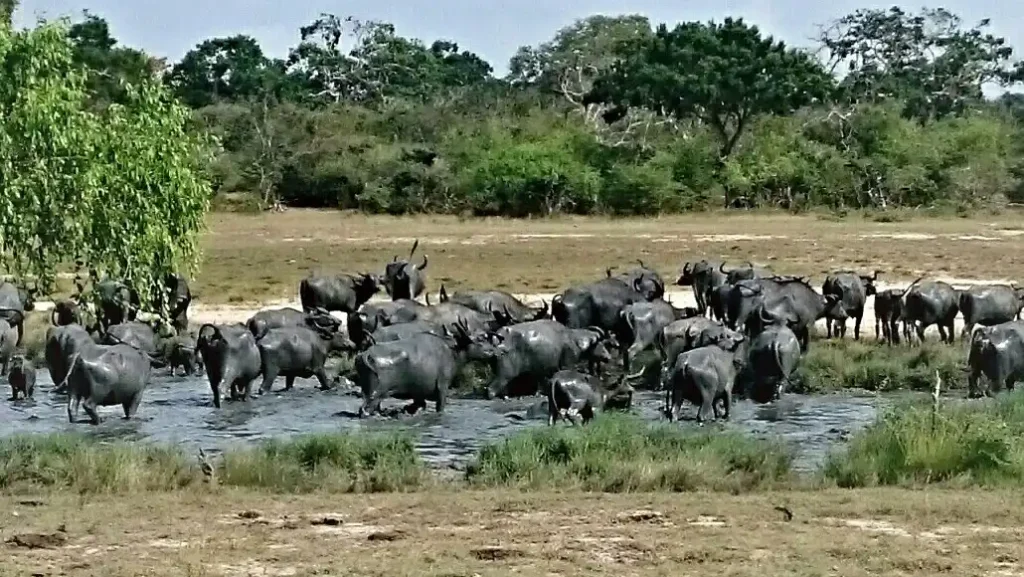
x=178, y=410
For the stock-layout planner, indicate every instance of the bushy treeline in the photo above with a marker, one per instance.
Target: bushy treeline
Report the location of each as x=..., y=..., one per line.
x=611, y=116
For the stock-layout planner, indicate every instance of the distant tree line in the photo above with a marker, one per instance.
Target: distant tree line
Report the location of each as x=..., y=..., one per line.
x=611, y=116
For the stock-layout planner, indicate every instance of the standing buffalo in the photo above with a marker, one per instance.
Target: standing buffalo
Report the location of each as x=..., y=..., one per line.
x=529, y=353
x=62, y=344
x=116, y=303
x=269, y=319
x=105, y=375
x=774, y=355
x=294, y=351
x=493, y=301
x=989, y=305
x=419, y=369
x=640, y=324
x=65, y=312
x=8, y=344
x=372, y=316
x=175, y=296
x=404, y=280
x=997, y=352
x=14, y=303
x=181, y=351
x=230, y=356
x=703, y=376
x=889, y=315
x=572, y=394
x=598, y=303
x=852, y=290
x=22, y=378
x=645, y=280
x=704, y=276
x=693, y=333
x=931, y=303
x=788, y=298
x=343, y=292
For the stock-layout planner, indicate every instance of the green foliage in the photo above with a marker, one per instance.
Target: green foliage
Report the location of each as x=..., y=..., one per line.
x=618, y=453
x=969, y=444
x=96, y=185
x=108, y=65
x=839, y=365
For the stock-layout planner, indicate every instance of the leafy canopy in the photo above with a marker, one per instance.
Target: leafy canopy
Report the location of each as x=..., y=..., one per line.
x=723, y=74
x=120, y=189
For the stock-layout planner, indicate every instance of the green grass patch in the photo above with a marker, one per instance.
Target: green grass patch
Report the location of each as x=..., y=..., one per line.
x=848, y=364
x=63, y=461
x=621, y=453
x=967, y=443
x=335, y=462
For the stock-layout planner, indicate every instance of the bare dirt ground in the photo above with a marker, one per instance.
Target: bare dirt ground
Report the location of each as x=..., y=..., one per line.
x=234, y=534
x=256, y=261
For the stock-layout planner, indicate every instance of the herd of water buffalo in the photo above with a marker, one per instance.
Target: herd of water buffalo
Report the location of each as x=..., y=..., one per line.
x=746, y=336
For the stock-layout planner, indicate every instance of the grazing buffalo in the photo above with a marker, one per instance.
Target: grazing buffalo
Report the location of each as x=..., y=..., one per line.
x=889, y=315
x=529, y=353
x=62, y=343
x=774, y=355
x=294, y=351
x=116, y=303
x=704, y=276
x=419, y=369
x=988, y=305
x=8, y=344
x=22, y=378
x=852, y=290
x=343, y=292
x=230, y=355
x=703, y=376
x=404, y=280
x=14, y=303
x=493, y=301
x=997, y=352
x=105, y=375
x=572, y=394
x=931, y=303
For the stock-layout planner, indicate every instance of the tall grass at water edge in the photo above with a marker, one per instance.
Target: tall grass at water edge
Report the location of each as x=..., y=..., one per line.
x=965, y=443
x=837, y=365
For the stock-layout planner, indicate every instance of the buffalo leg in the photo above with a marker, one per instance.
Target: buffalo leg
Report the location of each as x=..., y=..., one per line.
x=321, y=375
x=73, y=402
x=132, y=407
x=90, y=409
x=803, y=335
x=289, y=382
x=215, y=387
x=269, y=376
x=706, y=407
x=856, y=326
x=828, y=328
x=442, y=400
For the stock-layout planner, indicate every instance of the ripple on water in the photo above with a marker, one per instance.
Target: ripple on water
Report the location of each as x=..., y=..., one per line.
x=178, y=410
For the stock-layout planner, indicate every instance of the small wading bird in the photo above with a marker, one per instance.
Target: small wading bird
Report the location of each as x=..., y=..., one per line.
x=205, y=466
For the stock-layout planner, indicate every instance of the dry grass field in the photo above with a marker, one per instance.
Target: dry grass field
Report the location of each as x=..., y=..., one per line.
x=261, y=258
x=241, y=534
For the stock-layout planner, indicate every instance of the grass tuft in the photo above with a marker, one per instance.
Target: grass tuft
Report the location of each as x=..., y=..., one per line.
x=847, y=364
x=621, y=453
x=970, y=443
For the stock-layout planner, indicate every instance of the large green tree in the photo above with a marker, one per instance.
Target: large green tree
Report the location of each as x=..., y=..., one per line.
x=930, y=61
x=724, y=74
x=121, y=189
x=229, y=69
x=110, y=66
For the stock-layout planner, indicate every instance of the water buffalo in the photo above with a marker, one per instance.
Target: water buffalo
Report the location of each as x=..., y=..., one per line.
x=704, y=276
x=703, y=376
x=718, y=299
x=493, y=301
x=342, y=292
x=645, y=280
x=62, y=343
x=8, y=344
x=997, y=352
x=989, y=305
x=931, y=303
x=889, y=314
x=852, y=290
x=450, y=313
x=419, y=369
x=640, y=324
x=135, y=334
x=182, y=351
x=116, y=303
x=740, y=273
x=400, y=332
x=693, y=333
x=790, y=298
x=531, y=352
x=22, y=378
x=404, y=280
x=773, y=355
x=372, y=316
x=65, y=312
x=176, y=296
x=573, y=394
x=295, y=351
x=14, y=303
x=596, y=304
x=231, y=356
x=105, y=375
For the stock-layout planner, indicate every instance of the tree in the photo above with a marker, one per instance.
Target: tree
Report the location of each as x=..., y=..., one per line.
x=722, y=74
x=109, y=66
x=121, y=190
x=232, y=69
x=7, y=8
x=928, y=60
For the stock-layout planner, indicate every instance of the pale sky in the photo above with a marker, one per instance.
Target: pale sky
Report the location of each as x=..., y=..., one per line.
x=492, y=29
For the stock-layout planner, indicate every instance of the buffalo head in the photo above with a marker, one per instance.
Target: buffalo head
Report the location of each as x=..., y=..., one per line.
x=686, y=275
x=476, y=347
x=402, y=279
